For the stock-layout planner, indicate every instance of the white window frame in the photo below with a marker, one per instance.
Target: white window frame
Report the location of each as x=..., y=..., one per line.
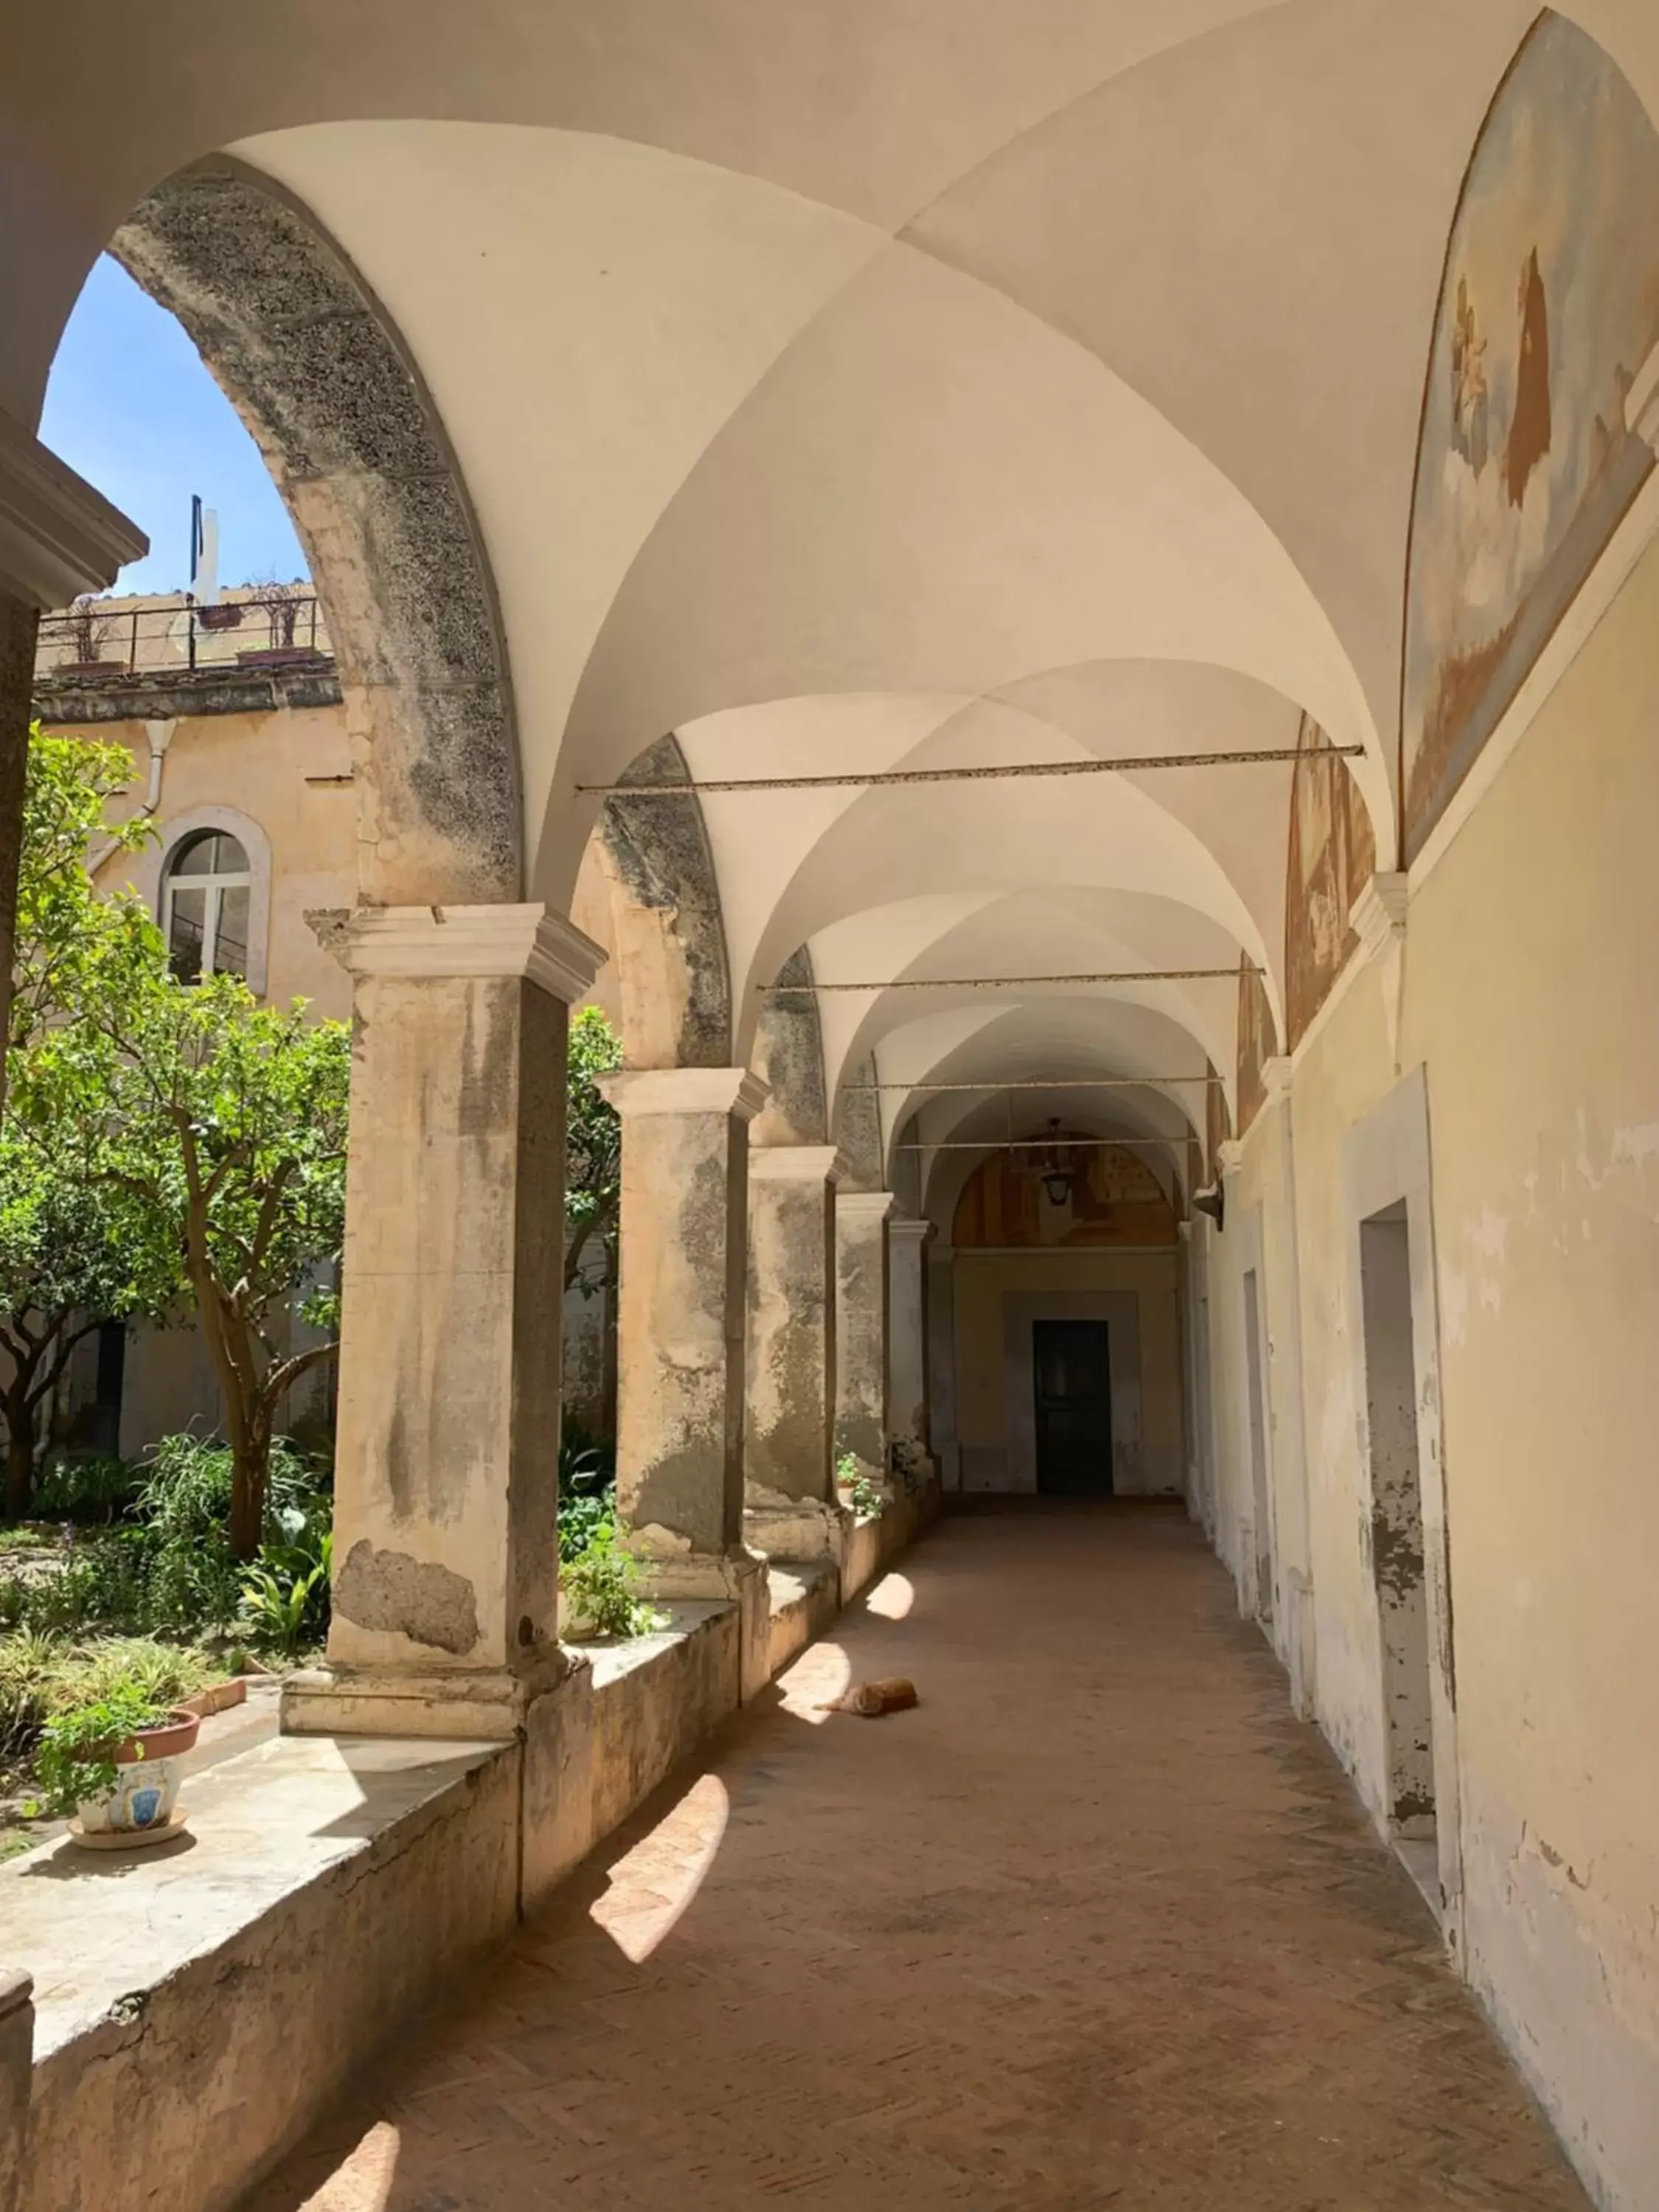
x=230, y=822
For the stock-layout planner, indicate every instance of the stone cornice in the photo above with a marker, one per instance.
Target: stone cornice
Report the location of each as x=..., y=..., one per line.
x=865, y=1205
x=59, y=537
x=686, y=1090
x=1642, y=402
x=817, y=1164
x=458, y=941
x=1378, y=914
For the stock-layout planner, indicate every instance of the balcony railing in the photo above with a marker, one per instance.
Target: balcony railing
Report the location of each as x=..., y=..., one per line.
x=98, y=640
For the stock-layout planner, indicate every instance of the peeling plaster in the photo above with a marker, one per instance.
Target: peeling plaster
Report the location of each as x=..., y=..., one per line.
x=394, y=1594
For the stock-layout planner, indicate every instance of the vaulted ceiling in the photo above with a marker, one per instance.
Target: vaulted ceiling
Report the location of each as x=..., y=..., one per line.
x=866, y=384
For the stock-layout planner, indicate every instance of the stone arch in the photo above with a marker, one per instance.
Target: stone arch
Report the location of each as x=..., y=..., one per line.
x=789, y=1060
x=667, y=927
x=314, y=367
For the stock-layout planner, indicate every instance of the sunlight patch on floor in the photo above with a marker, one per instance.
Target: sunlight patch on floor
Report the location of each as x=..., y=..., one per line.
x=816, y=1681
x=892, y=1597
x=652, y=1884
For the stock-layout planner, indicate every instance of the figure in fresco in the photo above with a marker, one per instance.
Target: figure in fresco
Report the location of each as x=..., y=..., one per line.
x=1560, y=214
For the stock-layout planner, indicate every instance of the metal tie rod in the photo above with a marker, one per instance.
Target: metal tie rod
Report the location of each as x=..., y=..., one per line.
x=1044, y=1144
x=1059, y=1083
x=893, y=778
x=1013, y=983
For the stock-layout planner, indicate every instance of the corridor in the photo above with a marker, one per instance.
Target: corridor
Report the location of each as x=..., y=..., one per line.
x=1099, y=1924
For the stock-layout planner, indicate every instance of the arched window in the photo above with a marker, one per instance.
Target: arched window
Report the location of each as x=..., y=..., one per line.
x=204, y=906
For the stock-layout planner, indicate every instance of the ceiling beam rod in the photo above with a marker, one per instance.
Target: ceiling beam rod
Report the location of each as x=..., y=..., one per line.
x=894, y=778
x=1045, y=1143
x=1013, y=983
x=1034, y=1083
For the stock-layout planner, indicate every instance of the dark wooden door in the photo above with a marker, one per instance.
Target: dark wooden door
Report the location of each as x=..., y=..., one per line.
x=1072, y=1367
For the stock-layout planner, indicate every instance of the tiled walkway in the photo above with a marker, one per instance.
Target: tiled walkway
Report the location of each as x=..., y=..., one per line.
x=1098, y=1925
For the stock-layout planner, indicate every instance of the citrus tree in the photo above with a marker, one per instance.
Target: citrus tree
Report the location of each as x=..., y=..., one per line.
x=593, y=1170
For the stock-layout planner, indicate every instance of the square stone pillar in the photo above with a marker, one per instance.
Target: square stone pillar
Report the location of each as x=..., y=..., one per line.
x=907, y=1413
x=790, y=1511
x=861, y=1328
x=680, y=1314
x=445, y=1495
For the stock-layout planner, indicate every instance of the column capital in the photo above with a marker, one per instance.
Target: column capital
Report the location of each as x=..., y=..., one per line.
x=813, y=1163
x=870, y=1205
x=1276, y=1075
x=1642, y=402
x=1378, y=914
x=59, y=537
x=906, y=1230
x=685, y=1091
x=450, y=942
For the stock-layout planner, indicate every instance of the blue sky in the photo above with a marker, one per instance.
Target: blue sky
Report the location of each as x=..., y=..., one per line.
x=130, y=407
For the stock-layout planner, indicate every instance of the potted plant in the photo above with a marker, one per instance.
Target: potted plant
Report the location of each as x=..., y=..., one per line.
x=282, y=604
x=87, y=632
x=113, y=1768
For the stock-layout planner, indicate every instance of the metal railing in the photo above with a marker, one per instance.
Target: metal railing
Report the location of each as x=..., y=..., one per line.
x=259, y=628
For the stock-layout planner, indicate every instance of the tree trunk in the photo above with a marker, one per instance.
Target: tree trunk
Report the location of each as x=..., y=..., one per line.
x=19, y=1456
x=248, y=1458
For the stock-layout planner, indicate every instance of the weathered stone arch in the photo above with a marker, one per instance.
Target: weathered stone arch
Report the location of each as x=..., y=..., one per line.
x=668, y=934
x=312, y=365
x=858, y=1129
x=789, y=1060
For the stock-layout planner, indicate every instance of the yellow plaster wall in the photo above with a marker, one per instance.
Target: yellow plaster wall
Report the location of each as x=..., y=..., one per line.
x=1528, y=990
x=984, y=1280
x=260, y=764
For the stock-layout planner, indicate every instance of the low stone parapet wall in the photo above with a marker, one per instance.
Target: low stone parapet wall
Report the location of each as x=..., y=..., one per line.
x=198, y=2003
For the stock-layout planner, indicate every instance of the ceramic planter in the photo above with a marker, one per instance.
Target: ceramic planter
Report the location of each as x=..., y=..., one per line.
x=141, y=1806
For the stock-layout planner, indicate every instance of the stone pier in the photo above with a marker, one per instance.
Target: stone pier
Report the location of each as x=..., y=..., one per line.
x=680, y=1334
x=909, y=1415
x=445, y=1553
x=790, y=1511
x=861, y=1218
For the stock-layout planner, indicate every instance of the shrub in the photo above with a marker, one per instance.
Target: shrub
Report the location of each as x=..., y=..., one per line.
x=602, y=1584
x=284, y=1600
x=859, y=1490
x=93, y=1490
x=587, y=1490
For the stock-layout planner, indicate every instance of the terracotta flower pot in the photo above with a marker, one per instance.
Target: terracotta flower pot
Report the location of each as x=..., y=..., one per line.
x=142, y=1803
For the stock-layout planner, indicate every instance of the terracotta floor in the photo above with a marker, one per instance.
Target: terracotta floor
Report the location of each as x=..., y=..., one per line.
x=1099, y=1924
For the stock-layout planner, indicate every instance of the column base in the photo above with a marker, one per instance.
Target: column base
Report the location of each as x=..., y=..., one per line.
x=453, y=1703
x=794, y=1528
x=722, y=1578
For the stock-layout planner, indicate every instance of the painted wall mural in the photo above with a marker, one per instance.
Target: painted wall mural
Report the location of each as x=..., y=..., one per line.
x=1257, y=1042
x=1333, y=852
x=1549, y=309
x=1113, y=1199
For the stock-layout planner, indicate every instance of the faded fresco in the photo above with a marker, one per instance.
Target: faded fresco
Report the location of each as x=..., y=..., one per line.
x=1115, y=1199
x=1333, y=853
x=1257, y=1042
x=1550, y=308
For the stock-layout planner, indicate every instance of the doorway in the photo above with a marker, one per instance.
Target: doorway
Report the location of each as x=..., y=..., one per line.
x=1397, y=1546
x=1261, y=1499
x=1072, y=1373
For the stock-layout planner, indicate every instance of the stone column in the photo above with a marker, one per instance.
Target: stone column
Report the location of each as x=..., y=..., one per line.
x=790, y=1511
x=680, y=1329
x=907, y=1413
x=16, y=2082
x=943, y=1439
x=59, y=537
x=861, y=1328
x=445, y=1551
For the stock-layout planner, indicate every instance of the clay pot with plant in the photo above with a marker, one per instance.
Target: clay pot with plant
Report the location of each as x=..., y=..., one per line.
x=113, y=1768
